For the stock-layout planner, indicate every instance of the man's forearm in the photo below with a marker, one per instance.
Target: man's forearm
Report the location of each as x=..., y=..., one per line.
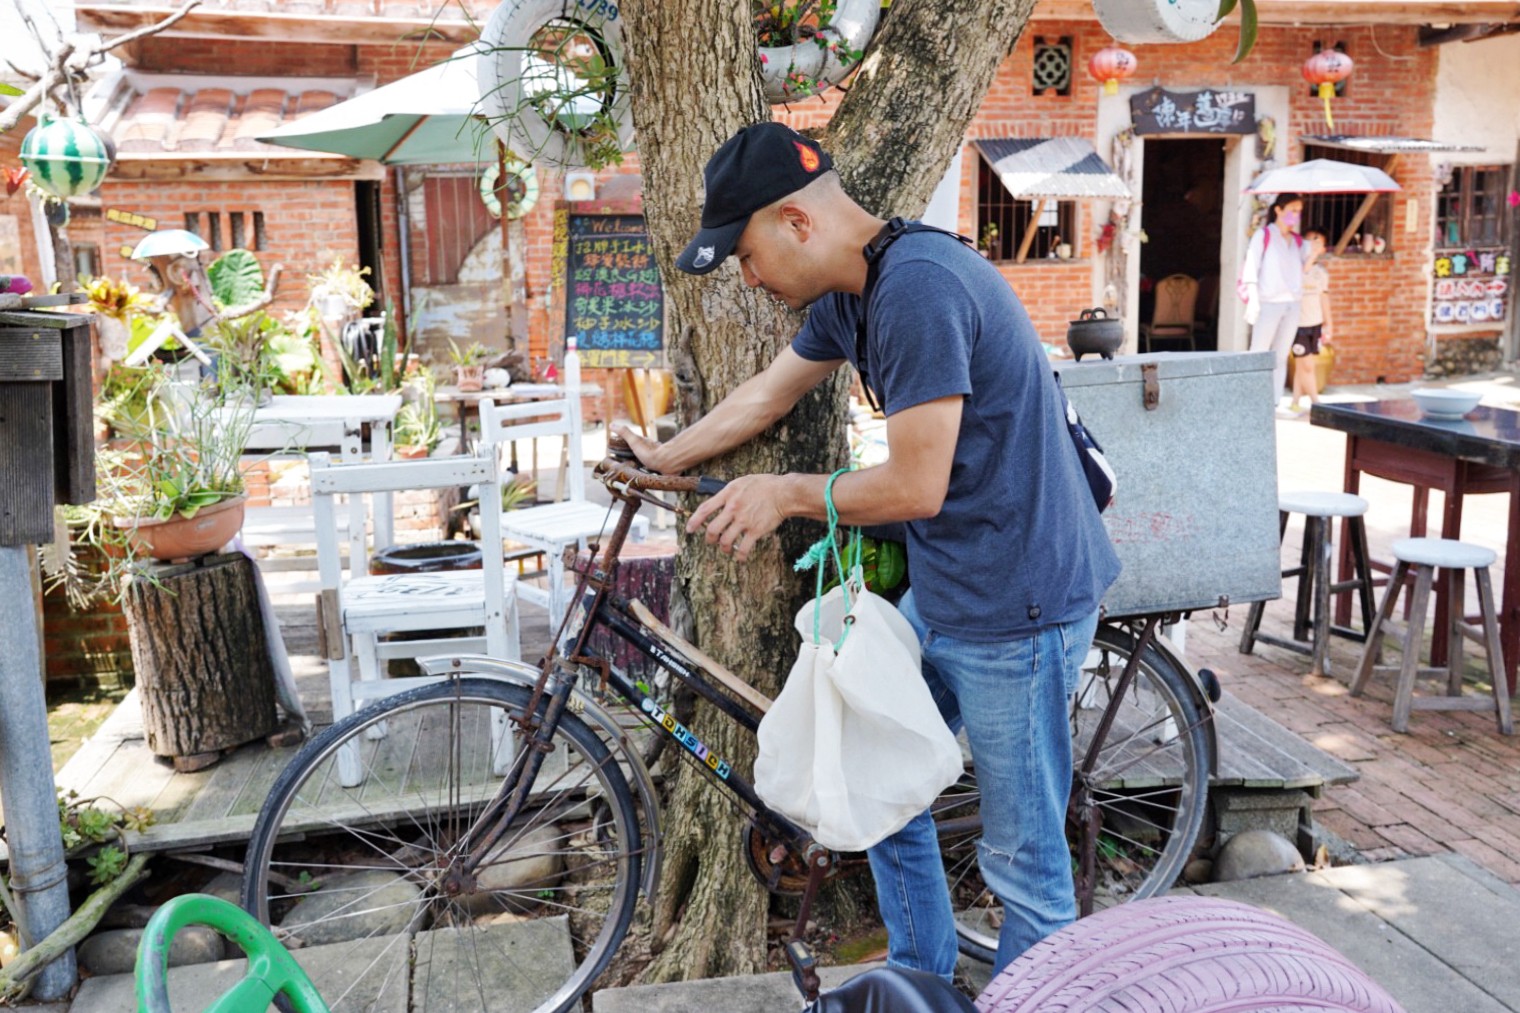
x=742, y=415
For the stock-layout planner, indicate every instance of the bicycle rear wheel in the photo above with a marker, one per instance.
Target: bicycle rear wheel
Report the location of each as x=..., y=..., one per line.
x=371, y=874
x=1149, y=785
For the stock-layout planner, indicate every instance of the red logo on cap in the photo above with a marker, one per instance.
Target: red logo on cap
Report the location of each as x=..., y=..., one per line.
x=808, y=156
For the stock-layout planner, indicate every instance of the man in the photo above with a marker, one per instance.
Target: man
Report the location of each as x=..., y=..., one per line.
x=1008, y=556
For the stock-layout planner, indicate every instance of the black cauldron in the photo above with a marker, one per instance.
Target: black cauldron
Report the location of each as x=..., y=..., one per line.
x=1095, y=331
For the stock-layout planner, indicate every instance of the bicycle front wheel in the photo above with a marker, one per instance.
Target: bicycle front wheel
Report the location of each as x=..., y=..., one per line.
x=1149, y=785
x=371, y=873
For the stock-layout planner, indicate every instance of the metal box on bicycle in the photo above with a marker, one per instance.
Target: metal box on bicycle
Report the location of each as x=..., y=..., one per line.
x=1192, y=438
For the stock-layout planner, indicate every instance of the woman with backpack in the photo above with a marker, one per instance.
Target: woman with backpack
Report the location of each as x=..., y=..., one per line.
x=1272, y=281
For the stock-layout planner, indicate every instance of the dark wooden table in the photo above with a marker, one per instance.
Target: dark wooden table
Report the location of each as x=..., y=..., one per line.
x=1479, y=453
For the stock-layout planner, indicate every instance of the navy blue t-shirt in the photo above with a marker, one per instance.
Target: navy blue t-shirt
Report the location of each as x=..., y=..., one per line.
x=1018, y=544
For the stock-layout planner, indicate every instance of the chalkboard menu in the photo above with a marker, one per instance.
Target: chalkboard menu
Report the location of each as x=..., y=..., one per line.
x=613, y=303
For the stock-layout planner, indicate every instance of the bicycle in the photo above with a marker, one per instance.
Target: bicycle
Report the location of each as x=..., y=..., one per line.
x=504, y=804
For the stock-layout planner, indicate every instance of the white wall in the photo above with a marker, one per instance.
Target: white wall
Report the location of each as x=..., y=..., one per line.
x=1476, y=85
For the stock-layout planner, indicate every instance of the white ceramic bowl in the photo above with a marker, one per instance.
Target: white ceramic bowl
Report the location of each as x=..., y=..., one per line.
x=1444, y=403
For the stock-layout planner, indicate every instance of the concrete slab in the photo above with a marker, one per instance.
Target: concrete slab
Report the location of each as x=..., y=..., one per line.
x=1460, y=919
x=1414, y=976
x=521, y=963
x=352, y=972
x=756, y=993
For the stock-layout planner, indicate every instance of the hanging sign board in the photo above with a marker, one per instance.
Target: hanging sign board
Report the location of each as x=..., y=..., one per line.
x=613, y=302
x=1471, y=287
x=1159, y=111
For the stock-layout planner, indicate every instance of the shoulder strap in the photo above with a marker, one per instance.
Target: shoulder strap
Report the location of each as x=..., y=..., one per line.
x=889, y=234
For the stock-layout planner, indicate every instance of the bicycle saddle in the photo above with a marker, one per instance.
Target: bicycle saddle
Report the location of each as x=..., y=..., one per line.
x=893, y=990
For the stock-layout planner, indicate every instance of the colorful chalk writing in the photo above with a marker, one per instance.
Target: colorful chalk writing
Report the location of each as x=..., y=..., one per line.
x=1471, y=287
x=613, y=301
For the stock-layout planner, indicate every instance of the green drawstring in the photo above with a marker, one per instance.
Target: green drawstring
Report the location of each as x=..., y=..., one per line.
x=817, y=556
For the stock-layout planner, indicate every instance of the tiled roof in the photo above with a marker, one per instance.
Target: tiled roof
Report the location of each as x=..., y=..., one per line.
x=175, y=121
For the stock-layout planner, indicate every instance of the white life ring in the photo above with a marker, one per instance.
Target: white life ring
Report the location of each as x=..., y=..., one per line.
x=851, y=27
x=1139, y=21
x=522, y=183
x=511, y=75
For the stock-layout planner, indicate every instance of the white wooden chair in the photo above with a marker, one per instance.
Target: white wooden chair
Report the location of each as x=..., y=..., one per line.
x=552, y=527
x=353, y=613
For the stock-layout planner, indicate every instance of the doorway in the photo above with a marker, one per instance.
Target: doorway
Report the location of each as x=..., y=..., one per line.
x=1182, y=213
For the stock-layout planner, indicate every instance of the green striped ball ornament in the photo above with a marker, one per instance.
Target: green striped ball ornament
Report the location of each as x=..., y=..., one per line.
x=66, y=157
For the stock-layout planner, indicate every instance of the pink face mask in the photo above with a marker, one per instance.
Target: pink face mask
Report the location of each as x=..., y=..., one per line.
x=1289, y=218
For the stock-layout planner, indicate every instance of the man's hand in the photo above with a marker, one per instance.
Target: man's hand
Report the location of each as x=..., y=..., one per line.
x=645, y=449
x=747, y=510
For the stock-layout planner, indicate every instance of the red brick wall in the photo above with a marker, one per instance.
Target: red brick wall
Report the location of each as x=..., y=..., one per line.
x=18, y=205
x=307, y=224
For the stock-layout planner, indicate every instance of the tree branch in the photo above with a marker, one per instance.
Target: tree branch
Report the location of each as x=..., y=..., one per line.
x=59, y=62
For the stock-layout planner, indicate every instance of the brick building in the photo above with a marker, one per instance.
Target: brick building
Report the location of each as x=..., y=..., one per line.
x=185, y=125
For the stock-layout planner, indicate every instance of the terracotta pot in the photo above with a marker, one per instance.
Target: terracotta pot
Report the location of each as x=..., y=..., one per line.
x=470, y=377
x=179, y=537
x=412, y=451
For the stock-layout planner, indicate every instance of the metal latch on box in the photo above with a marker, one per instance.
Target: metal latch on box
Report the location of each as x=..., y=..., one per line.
x=1150, y=387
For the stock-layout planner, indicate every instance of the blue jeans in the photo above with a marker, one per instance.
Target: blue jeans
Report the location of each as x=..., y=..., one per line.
x=1012, y=698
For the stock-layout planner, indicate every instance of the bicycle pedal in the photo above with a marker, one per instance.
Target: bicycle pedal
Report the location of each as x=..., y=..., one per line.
x=804, y=968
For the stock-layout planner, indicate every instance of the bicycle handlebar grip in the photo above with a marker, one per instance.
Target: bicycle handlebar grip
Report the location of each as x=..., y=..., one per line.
x=710, y=486
x=618, y=448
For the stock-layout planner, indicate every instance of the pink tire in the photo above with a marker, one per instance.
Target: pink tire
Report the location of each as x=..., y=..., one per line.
x=1183, y=955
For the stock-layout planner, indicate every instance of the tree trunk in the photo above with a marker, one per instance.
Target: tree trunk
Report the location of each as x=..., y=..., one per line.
x=198, y=646
x=694, y=75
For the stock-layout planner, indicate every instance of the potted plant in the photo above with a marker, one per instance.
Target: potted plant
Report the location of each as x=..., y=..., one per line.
x=114, y=304
x=172, y=490
x=989, y=241
x=469, y=365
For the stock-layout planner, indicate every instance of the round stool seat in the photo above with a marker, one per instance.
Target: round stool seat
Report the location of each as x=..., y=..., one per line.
x=1444, y=552
x=1311, y=503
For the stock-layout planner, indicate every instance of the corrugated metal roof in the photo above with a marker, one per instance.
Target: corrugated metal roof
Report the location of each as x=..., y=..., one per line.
x=1060, y=168
x=1384, y=145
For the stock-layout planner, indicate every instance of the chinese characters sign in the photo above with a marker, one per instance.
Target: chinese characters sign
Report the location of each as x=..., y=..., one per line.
x=1159, y=111
x=613, y=303
x=1471, y=287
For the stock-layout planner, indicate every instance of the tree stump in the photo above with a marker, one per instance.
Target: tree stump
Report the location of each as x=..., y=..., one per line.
x=645, y=573
x=203, y=670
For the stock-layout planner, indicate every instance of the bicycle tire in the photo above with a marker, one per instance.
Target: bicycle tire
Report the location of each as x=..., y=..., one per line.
x=1160, y=705
x=426, y=759
x=1183, y=955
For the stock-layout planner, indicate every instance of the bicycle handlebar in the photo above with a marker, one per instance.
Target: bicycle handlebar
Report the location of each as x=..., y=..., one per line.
x=621, y=469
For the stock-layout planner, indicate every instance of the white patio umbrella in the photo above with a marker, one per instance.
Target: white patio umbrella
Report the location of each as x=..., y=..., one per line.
x=427, y=118
x=1324, y=175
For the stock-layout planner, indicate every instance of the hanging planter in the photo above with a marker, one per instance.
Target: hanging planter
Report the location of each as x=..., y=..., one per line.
x=1137, y=21
x=66, y=157
x=825, y=46
x=1327, y=68
x=1110, y=65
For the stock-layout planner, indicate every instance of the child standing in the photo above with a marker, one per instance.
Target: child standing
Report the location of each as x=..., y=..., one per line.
x=1313, y=322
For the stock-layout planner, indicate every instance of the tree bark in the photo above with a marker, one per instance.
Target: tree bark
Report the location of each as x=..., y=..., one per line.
x=694, y=74
x=198, y=647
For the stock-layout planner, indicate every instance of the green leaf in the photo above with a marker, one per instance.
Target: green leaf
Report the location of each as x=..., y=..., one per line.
x=236, y=278
x=1225, y=7
x=1247, y=30
x=10, y=89
x=891, y=564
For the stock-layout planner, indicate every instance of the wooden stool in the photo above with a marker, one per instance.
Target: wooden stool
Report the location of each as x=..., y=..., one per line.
x=1312, y=626
x=1424, y=555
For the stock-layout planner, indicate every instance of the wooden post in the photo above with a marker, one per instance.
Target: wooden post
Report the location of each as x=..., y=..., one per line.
x=1034, y=225
x=198, y=645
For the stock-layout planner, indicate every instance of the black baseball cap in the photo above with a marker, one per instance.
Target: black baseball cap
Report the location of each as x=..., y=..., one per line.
x=756, y=167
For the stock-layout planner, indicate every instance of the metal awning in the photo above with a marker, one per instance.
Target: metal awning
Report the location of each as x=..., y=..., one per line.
x=1052, y=168
x=1384, y=145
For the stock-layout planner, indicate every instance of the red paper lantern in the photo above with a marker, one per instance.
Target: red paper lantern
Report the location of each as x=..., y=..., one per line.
x=1327, y=68
x=1111, y=65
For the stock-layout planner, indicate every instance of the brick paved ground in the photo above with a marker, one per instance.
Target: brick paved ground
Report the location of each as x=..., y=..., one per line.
x=1453, y=782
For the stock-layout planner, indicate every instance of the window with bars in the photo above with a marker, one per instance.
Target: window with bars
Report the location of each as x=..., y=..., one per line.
x=1332, y=213
x=1470, y=208
x=1002, y=220
x=229, y=230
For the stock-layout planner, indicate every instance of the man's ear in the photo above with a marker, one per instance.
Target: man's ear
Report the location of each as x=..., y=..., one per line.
x=796, y=219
